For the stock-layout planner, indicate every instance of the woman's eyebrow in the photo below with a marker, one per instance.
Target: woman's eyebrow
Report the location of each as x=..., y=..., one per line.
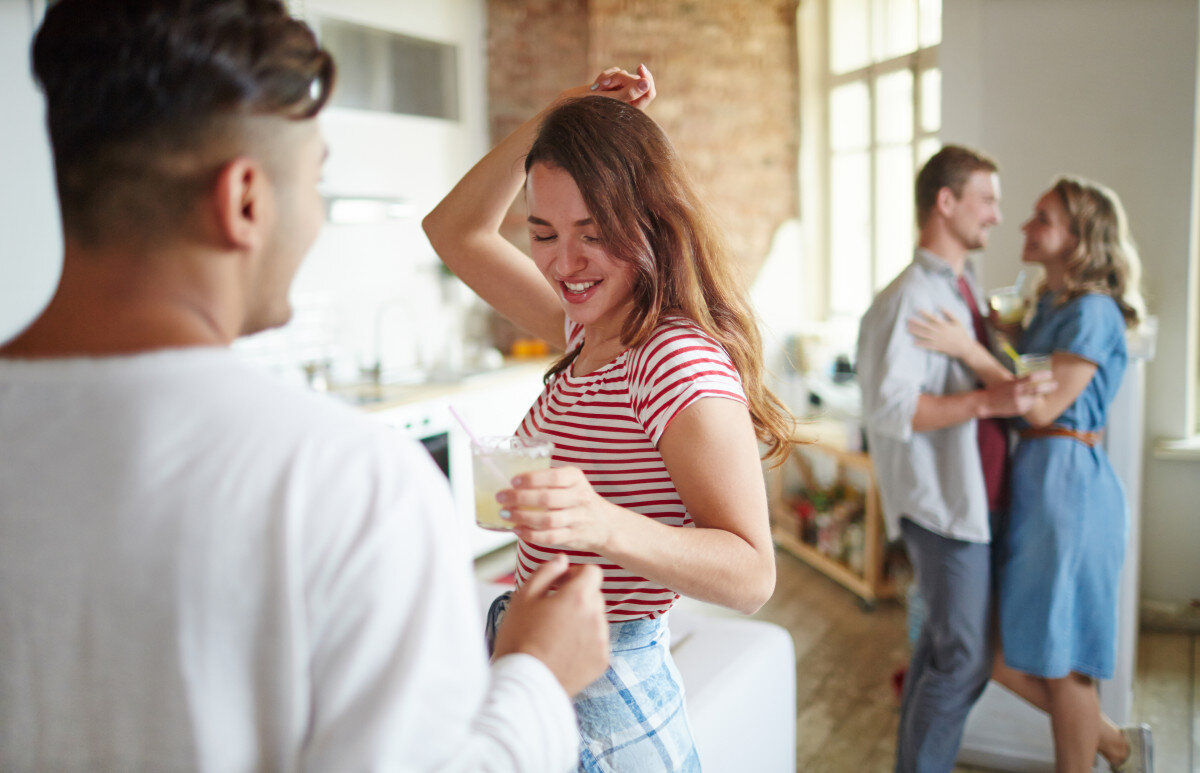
x=539, y=221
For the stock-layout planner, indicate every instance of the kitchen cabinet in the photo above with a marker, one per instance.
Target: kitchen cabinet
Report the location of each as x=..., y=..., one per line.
x=825, y=510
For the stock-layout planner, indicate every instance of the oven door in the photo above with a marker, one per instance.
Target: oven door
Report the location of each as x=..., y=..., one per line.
x=431, y=424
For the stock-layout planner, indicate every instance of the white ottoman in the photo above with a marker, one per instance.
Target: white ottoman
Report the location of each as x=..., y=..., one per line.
x=739, y=676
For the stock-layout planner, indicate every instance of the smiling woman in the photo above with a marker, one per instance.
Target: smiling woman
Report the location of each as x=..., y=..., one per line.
x=568, y=250
x=656, y=409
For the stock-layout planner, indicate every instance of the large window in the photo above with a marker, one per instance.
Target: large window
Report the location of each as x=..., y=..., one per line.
x=873, y=102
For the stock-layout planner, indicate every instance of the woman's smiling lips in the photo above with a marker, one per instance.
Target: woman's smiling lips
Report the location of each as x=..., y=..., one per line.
x=578, y=292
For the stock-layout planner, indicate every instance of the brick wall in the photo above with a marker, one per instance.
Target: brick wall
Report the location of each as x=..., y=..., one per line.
x=727, y=77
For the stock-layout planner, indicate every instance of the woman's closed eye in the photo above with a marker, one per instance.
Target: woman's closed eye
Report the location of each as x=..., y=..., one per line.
x=534, y=236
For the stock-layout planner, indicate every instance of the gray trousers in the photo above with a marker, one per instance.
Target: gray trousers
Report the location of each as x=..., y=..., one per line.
x=952, y=659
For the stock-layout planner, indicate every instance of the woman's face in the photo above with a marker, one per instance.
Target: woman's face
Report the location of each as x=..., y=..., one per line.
x=568, y=249
x=1048, y=237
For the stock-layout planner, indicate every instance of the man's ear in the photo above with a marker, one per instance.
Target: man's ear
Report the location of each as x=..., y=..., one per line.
x=945, y=201
x=244, y=203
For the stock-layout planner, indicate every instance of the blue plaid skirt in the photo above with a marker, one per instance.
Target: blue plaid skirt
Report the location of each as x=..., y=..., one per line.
x=632, y=719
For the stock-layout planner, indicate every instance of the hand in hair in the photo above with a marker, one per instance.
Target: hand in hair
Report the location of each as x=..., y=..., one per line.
x=638, y=90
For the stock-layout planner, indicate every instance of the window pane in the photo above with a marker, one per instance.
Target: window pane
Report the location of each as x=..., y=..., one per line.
x=849, y=116
x=926, y=148
x=893, y=212
x=848, y=30
x=895, y=28
x=931, y=22
x=931, y=100
x=894, y=107
x=849, y=235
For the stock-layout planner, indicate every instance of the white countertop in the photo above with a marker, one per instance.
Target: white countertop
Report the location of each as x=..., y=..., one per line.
x=381, y=397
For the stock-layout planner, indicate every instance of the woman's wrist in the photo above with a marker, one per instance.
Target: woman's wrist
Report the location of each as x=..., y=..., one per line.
x=977, y=356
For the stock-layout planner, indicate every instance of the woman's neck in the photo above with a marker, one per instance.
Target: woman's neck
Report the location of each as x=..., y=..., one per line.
x=1056, y=279
x=601, y=344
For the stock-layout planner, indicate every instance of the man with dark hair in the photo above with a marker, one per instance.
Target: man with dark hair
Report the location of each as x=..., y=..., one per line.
x=940, y=452
x=201, y=569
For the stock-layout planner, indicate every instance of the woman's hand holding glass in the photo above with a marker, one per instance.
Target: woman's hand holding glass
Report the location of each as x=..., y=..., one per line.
x=559, y=508
x=1010, y=331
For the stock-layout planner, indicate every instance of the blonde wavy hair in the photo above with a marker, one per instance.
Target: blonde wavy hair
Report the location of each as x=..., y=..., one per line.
x=1106, y=260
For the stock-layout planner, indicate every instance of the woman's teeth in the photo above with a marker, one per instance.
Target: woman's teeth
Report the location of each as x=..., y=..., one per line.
x=578, y=287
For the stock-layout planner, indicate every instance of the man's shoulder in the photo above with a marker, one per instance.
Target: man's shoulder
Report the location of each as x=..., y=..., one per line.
x=231, y=395
x=911, y=288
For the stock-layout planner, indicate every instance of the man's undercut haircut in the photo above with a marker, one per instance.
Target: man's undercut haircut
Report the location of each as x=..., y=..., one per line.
x=144, y=99
x=950, y=167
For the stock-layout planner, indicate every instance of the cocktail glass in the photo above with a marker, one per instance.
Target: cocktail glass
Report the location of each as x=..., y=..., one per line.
x=495, y=462
x=1008, y=304
x=1032, y=363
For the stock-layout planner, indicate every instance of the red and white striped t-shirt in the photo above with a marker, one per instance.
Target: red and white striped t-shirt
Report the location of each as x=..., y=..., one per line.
x=608, y=423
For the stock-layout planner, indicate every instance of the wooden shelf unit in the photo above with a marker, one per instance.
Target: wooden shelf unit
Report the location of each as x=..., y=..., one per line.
x=854, y=470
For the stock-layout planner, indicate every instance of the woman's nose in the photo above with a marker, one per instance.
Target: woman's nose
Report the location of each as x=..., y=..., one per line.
x=570, y=258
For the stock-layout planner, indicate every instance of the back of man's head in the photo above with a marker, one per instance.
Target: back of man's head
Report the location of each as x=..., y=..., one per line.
x=950, y=167
x=147, y=99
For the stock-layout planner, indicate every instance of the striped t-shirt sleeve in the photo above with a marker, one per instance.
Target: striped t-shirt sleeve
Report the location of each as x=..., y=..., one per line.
x=677, y=366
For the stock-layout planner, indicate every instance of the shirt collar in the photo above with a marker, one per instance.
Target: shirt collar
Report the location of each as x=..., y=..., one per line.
x=932, y=262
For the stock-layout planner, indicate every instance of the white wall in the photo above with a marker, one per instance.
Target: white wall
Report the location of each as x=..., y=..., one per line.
x=375, y=290
x=1105, y=89
x=357, y=279
x=30, y=239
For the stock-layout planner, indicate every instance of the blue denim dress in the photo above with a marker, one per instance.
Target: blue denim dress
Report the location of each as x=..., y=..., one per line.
x=1059, y=560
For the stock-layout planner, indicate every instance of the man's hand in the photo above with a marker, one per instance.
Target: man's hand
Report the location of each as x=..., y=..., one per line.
x=1016, y=397
x=563, y=626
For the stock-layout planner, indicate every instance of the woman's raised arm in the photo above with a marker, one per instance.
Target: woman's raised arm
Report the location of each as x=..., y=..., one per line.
x=464, y=228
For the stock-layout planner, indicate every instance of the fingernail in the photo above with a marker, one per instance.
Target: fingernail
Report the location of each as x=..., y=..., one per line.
x=594, y=86
x=506, y=515
x=606, y=82
x=643, y=85
x=503, y=496
x=517, y=481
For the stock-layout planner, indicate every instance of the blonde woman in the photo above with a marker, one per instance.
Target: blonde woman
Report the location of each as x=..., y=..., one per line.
x=1059, y=559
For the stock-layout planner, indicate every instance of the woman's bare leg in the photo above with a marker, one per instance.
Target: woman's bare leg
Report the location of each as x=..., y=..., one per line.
x=1112, y=743
x=1075, y=720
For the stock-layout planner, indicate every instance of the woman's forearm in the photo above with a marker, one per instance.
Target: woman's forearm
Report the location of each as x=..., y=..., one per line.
x=478, y=203
x=707, y=564
x=480, y=200
x=986, y=367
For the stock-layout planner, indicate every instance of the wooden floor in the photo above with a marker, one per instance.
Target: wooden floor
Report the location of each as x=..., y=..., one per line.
x=845, y=658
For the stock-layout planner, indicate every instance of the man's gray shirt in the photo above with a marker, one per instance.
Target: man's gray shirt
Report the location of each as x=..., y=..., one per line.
x=935, y=478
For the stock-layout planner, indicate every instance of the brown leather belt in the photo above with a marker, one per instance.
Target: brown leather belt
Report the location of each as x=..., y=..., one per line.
x=1089, y=439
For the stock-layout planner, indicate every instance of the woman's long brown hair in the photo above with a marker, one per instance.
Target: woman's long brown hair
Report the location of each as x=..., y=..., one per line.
x=648, y=214
x=1106, y=260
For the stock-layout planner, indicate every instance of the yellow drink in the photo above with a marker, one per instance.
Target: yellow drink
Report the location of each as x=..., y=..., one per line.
x=1032, y=363
x=1008, y=305
x=495, y=464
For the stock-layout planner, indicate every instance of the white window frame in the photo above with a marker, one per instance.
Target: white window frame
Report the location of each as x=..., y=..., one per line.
x=816, y=84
